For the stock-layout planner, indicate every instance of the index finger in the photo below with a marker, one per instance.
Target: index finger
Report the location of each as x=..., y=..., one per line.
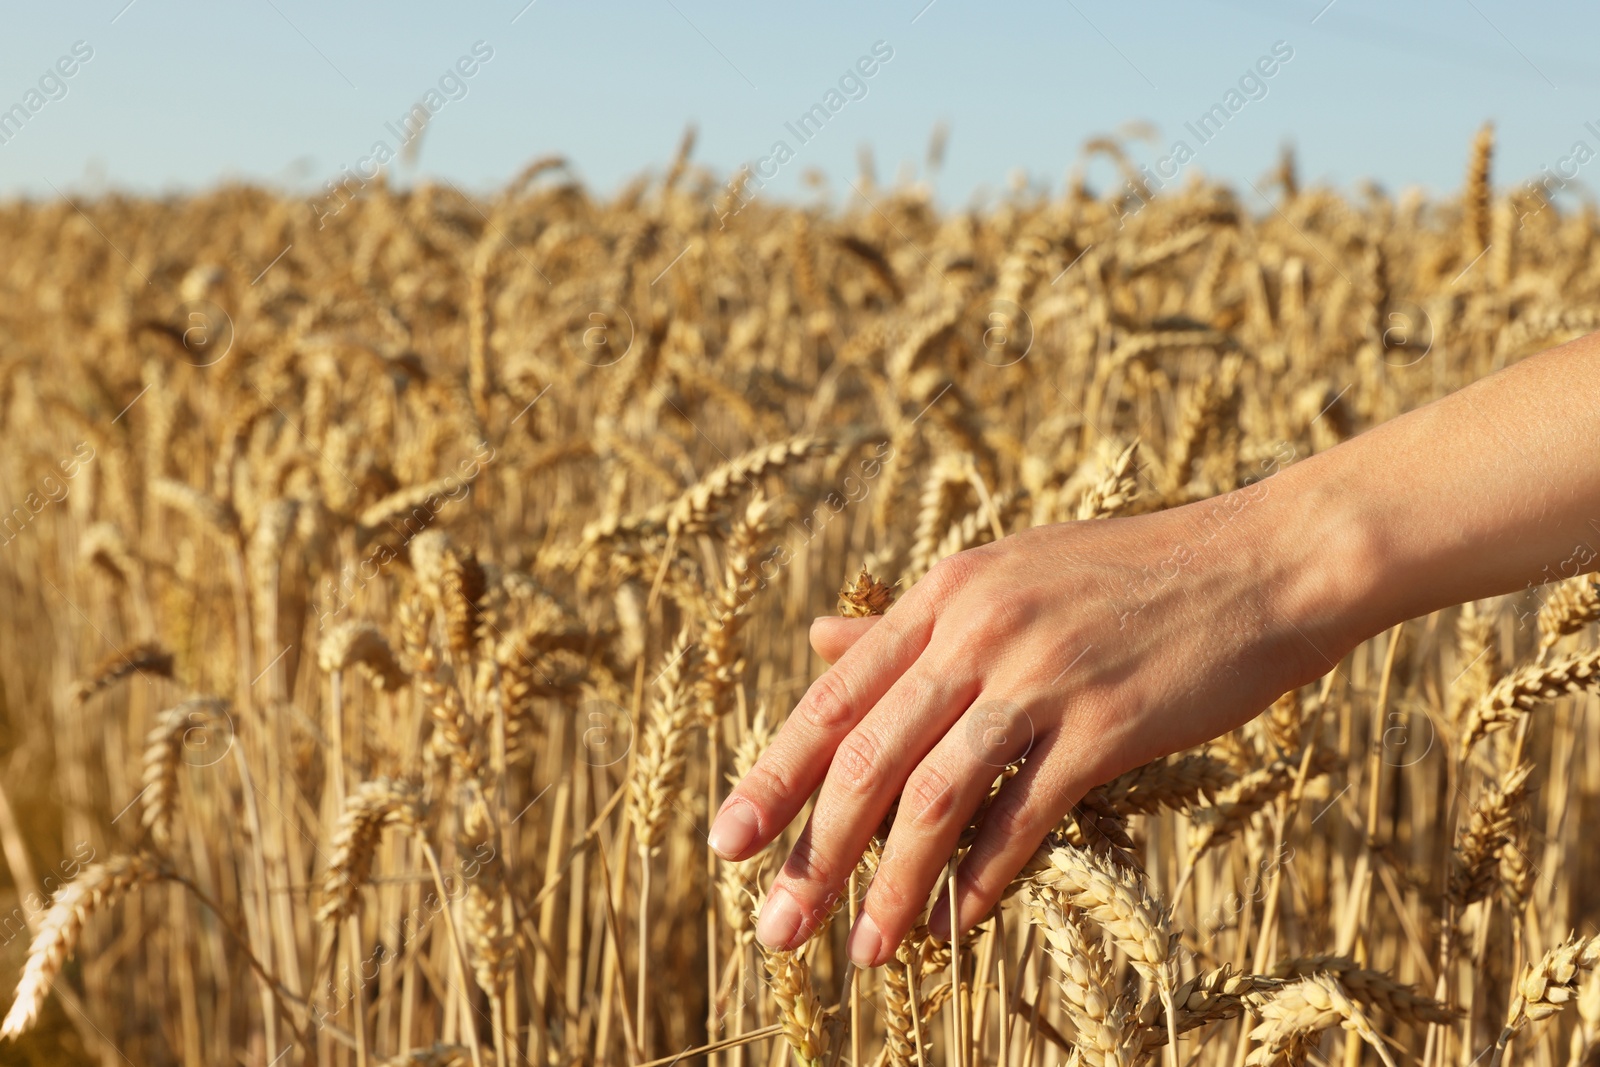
x=768, y=798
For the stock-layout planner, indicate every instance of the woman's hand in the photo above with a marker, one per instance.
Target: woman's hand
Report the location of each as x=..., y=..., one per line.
x=1086, y=648
x=1092, y=647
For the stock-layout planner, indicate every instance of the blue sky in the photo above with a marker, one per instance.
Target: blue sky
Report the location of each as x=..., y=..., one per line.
x=181, y=93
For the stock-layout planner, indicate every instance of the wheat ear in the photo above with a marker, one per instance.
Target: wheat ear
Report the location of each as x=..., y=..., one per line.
x=864, y=595
x=96, y=888
x=657, y=776
x=696, y=507
x=1294, y=1014
x=371, y=807
x=454, y=580
x=1103, y=1029
x=1119, y=900
x=362, y=645
x=1526, y=688
x=1209, y=997
x=1547, y=985
x=1237, y=804
x=1374, y=989
x=1174, y=784
x=1477, y=649
x=901, y=1020
x=163, y=752
x=1571, y=606
x=147, y=657
x=799, y=1007
x=1475, y=197
x=1474, y=864
x=1116, y=489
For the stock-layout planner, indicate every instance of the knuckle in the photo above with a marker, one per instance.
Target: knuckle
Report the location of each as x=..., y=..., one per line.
x=826, y=705
x=807, y=864
x=998, y=732
x=887, y=895
x=856, y=764
x=950, y=575
x=768, y=780
x=988, y=617
x=1000, y=612
x=930, y=795
x=986, y=884
x=1009, y=819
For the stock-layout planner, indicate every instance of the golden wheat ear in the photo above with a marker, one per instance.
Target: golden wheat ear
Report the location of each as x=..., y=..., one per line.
x=96, y=888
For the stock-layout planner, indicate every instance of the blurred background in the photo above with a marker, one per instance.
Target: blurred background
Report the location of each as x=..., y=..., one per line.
x=180, y=94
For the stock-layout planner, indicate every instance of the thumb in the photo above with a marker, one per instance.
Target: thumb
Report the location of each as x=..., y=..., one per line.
x=832, y=635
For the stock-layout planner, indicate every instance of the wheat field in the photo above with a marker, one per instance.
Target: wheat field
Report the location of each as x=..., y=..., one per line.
x=392, y=593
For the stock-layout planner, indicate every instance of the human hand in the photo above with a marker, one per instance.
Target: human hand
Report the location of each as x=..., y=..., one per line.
x=1084, y=649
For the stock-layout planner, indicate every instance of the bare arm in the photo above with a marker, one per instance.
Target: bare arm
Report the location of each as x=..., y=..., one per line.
x=1092, y=648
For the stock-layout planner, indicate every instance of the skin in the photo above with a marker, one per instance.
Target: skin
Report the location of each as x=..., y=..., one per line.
x=1092, y=648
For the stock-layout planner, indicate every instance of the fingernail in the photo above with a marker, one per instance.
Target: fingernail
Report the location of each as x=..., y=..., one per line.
x=866, y=942
x=780, y=920
x=733, y=831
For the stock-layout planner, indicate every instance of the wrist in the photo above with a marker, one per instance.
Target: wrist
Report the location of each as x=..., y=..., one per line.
x=1324, y=563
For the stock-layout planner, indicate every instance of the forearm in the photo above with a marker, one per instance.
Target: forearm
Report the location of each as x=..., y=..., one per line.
x=1486, y=491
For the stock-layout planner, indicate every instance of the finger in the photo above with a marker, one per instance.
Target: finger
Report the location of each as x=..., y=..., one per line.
x=938, y=804
x=869, y=769
x=769, y=797
x=1025, y=810
x=832, y=635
